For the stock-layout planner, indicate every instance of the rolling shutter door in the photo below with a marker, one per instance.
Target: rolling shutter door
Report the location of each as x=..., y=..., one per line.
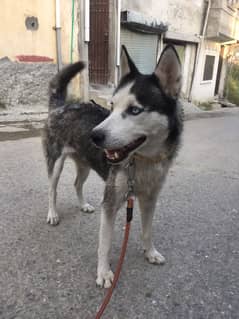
x=142, y=48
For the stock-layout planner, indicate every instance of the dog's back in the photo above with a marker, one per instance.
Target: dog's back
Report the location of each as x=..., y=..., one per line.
x=69, y=125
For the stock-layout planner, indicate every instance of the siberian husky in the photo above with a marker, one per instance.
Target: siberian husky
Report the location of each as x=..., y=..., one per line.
x=144, y=125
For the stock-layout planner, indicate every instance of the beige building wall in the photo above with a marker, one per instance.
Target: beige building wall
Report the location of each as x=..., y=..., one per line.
x=66, y=26
x=16, y=40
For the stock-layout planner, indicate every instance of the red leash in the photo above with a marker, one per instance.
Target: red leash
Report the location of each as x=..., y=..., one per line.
x=130, y=206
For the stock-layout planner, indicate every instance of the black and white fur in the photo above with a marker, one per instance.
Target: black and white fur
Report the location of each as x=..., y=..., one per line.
x=144, y=123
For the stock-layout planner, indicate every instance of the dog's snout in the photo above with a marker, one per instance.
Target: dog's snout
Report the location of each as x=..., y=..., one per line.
x=98, y=137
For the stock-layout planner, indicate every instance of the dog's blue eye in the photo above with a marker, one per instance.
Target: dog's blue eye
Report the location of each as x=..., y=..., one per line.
x=134, y=110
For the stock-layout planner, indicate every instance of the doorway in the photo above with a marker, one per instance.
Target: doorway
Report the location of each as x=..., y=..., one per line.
x=99, y=42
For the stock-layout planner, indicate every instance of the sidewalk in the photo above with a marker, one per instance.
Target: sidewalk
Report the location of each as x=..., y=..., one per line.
x=37, y=114
x=191, y=111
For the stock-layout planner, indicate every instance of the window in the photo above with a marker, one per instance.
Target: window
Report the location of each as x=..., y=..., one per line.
x=208, y=67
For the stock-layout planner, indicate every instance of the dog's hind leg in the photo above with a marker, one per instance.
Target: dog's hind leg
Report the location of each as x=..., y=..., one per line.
x=52, y=217
x=82, y=174
x=147, y=206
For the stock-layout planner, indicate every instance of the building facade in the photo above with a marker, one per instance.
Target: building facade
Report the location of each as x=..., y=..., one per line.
x=202, y=31
x=50, y=33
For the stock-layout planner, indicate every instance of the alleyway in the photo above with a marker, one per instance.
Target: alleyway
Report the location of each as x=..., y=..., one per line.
x=49, y=273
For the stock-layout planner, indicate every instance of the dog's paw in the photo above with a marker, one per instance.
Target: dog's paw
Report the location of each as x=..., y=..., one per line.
x=154, y=257
x=53, y=218
x=105, y=279
x=87, y=208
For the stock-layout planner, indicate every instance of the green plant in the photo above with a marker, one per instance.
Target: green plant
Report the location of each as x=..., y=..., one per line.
x=233, y=90
x=232, y=85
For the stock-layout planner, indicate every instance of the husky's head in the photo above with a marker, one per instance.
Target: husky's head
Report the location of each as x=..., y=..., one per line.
x=143, y=109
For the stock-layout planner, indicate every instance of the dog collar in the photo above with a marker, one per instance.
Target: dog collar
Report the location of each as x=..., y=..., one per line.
x=154, y=160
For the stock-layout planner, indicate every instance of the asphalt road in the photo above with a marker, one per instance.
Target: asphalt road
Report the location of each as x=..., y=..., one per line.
x=49, y=272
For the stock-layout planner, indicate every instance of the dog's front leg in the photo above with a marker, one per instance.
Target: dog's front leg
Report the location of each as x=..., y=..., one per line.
x=147, y=205
x=104, y=274
x=114, y=196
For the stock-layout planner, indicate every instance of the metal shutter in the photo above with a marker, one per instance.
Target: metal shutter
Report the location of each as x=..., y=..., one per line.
x=142, y=48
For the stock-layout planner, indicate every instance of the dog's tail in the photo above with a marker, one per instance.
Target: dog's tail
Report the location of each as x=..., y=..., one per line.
x=58, y=85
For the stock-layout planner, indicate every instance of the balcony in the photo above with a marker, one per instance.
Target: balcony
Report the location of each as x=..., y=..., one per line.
x=223, y=22
x=234, y=4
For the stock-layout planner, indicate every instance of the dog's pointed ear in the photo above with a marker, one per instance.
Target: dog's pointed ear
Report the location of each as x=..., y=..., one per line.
x=169, y=73
x=126, y=64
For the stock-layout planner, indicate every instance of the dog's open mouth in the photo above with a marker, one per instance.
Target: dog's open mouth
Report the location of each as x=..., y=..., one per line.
x=118, y=155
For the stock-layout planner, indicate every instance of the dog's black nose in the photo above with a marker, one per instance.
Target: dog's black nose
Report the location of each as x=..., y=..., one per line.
x=97, y=137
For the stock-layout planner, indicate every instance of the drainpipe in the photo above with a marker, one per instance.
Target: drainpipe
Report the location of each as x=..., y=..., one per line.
x=199, y=49
x=58, y=35
x=118, y=33
x=118, y=44
x=72, y=30
x=206, y=18
x=160, y=43
x=83, y=17
x=87, y=21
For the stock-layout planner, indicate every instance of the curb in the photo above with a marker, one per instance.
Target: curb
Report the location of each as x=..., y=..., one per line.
x=211, y=114
x=23, y=117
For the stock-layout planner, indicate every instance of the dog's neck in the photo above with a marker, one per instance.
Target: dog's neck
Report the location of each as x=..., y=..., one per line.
x=166, y=154
x=152, y=160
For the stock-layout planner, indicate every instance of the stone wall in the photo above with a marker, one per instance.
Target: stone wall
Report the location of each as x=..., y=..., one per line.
x=24, y=84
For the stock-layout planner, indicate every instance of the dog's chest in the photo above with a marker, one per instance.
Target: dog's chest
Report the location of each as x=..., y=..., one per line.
x=149, y=177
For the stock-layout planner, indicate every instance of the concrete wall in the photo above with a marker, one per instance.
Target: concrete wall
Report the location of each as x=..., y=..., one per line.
x=24, y=85
x=203, y=91
x=177, y=14
x=187, y=72
x=223, y=22
x=184, y=19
